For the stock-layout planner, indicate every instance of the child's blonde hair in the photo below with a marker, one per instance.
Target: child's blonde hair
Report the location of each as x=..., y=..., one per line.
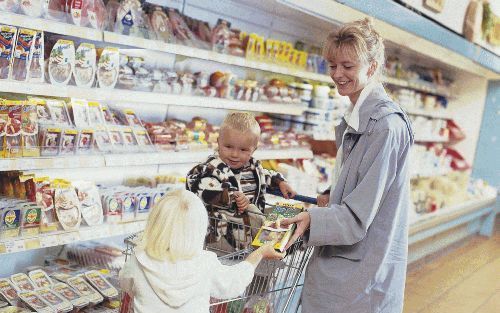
x=176, y=227
x=360, y=39
x=242, y=121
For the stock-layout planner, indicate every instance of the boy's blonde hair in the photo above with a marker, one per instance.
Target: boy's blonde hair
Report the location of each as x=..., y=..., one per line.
x=242, y=121
x=176, y=227
x=360, y=39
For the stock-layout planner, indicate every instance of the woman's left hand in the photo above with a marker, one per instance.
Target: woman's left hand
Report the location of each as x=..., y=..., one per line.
x=303, y=221
x=286, y=190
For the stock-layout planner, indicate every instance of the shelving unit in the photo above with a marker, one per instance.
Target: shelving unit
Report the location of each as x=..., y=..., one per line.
x=441, y=114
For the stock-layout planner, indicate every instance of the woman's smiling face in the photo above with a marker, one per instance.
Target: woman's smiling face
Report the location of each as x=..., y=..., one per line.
x=349, y=73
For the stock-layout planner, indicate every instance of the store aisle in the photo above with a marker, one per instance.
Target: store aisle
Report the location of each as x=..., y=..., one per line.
x=464, y=280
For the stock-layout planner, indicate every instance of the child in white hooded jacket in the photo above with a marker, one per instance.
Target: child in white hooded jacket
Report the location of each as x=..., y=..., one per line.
x=170, y=271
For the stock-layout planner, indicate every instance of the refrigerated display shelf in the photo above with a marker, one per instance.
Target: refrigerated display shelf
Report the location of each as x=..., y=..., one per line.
x=438, y=114
x=137, y=159
x=117, y=95
x=19, y=244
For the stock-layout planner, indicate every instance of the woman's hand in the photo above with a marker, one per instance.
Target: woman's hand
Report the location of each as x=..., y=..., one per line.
x=241, y=201
x=286, y=190
x=303, y=221
x=323, y=200
x=268, y=252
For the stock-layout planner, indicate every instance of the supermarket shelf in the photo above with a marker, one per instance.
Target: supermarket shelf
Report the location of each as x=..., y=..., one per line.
x=137, y=159
x=211, y=56
x=442, y=114
x=147, y=97
x=416, y=86
x=431, y=139
x=436, y=174
x=50, y=26
x=20, y=244
x=430, y=224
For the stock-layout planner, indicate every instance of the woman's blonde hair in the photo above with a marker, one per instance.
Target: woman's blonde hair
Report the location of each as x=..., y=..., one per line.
x=176, y=227
x=360, y=39
x=242, y=121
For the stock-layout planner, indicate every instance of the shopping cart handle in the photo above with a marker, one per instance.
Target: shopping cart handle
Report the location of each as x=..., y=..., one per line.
x=300, y=198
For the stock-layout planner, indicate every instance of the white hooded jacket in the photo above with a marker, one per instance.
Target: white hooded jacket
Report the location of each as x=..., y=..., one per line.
x=185, y=286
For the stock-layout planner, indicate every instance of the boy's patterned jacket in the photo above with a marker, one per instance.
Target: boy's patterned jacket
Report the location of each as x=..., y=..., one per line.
x=214, y=181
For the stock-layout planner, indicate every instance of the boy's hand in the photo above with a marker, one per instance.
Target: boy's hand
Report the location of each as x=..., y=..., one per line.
x=323, y=200
x=303, y=221
x=286, y=190
x=241, y=201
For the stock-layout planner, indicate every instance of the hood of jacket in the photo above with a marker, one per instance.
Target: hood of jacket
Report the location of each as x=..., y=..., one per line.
x=174, y=283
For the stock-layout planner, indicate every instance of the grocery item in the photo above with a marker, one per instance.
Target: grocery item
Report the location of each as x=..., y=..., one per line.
x=67, y=205
x=112, y=208
x=60, y=304
x=8, y=291
x=31, y=219
x=68, y=141
x=97, y=14
x=55, y=9
x=8, y=36
x=129, y=19
x=34, y=302
x=101, y=284
x=77, y=300
x=95, y=113
x=22, y=54
x=85, y=141
x=50, y=141
x=90, y=201
x=44, y=197
x=22, y=282
x=108, y=67
x=220, y=36
x=102, y=140
x=58, y=112
x=160, y=24
x=9, y=5
x=79, y=112
x=85, y=65
x=179, y=27
x=78, y=10
x=85, y=289
x=11, y=222
x=61, y=62
x=32, y=8
x=42, y=110
x=29, y=129
x=12, y=129
x=13, y=309
x=41, y=279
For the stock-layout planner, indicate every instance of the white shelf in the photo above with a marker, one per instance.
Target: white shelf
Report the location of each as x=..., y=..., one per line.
x=19, y=244
x=442, y=114
x=211, y=56
x=137, y=159
x=50, y=26
x=147, y=97
x=416, y=86
x=430, y=139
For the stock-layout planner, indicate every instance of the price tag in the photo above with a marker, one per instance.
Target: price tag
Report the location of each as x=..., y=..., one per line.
x=31, y=244
x=65, y=238
x=5, y=165
x=49, y=241
x=27, y=164
x=14, y=246
x=3, y=249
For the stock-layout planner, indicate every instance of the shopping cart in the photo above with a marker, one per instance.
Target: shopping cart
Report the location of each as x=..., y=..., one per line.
x=275, y=282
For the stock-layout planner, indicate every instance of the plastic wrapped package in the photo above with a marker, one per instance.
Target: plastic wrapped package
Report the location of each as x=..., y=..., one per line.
x=36, y=68
x=160, y=24
x=78, y=10
x=50, y=140
x=101, y=284
x=79, y=112
x=33, y=8
x=58, y=112
x=40, y=279
x=67, y=205
x=55, y=9
x=220, y=36
x=108, y=68
x=90, y=201
x=179, y=27
x=31, y=219
x=83, y=287
x=22, y=282
x=74, y=297
x=98, y=17
x=61, y=62
x=8, y=291
x=34, y=302
x=111, y=8
x=10, y=223
x=95, y=113
x=29, y=129
x=13, y=128
x=69, y=138
x=8, y=37
x=85, y=65
x=9, y=5
x=22, y=54
x=60, y=304
x=131, y=19
x=85, y=141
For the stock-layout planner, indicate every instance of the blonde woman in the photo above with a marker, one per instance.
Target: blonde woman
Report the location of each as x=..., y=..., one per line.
x=361, y=237
x=170, y=271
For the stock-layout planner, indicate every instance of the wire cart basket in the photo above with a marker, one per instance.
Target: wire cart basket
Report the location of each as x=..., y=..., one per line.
x=275, y=281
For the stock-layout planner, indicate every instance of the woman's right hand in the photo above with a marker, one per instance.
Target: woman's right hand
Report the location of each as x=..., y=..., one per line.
x=323, y=200
x=268, y=252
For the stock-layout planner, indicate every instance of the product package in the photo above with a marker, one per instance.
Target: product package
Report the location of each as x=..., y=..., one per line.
x=143, y=140
x=102, y=140
x=14, y=309
x=108, y=67
x=36, y=303
x=61, y=62
x=85, y=289
x=12, y=145
x=22, y=282
x=113, y=207
x=160, y=24
x=31, y=219
x=36, y=67
x=85, y=141
x=80, y=112
x=90, y=201
x=29, y=129
x=85, y=65
x=129, y=140
x=42, y=110
x=58, y=112
x=67, y=205
x=128, y=206
x=44, y=194
x=9, y=5
x=22, y=54
x=69, y=138
x=97, y=14
x=8, y=36
x=50, y=140
x=40, y=279
x=8, y=291
x=11, y=222
x=95, y=113
x=33, y=8
x=60, y=304
x=77, y=300
x=101, y=284
x=78, y=10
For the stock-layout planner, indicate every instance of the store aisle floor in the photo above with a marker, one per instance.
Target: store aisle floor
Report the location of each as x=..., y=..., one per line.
x=463, y=280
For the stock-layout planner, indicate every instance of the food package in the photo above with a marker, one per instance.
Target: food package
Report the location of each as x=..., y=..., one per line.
x=12, y=128
x=117, y=140
x=42, y=110
x=90, y=201
x=9, y=5
x=34, y=302
x=101, y=284
x=97, y=14
x=102, y=140
x=58, y=112
x=77, y=300
x=10, y=223
x=160, y=24
x=40, y=279
x=55, y=9
x=60, y=304
x=112, y=7
x=131, y=118
x=29, y=129
x=50, y=140
x=33, y=8
x=179, y=27
x=78, y=10
x=61, y=62
x=95, y=113
x=85, y=141
x=67, y=205
x=69, y=138
x=22, y=54
x=130, y=19
x=8, y=291
x=8, y=36
x=22, y=282
x=143, y=140
x=31, y=219
x=85, y=65
x=108, y=67
x=129, y=140
x=220, y=36
x=128, y=206
x=113, y=208
x=79, y=112
x=79, y=284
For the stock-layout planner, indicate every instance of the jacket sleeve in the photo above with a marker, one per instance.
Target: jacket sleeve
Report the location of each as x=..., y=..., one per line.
x=201, y=182
x=230, y=281
x=273, y=179
x=348, y=223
